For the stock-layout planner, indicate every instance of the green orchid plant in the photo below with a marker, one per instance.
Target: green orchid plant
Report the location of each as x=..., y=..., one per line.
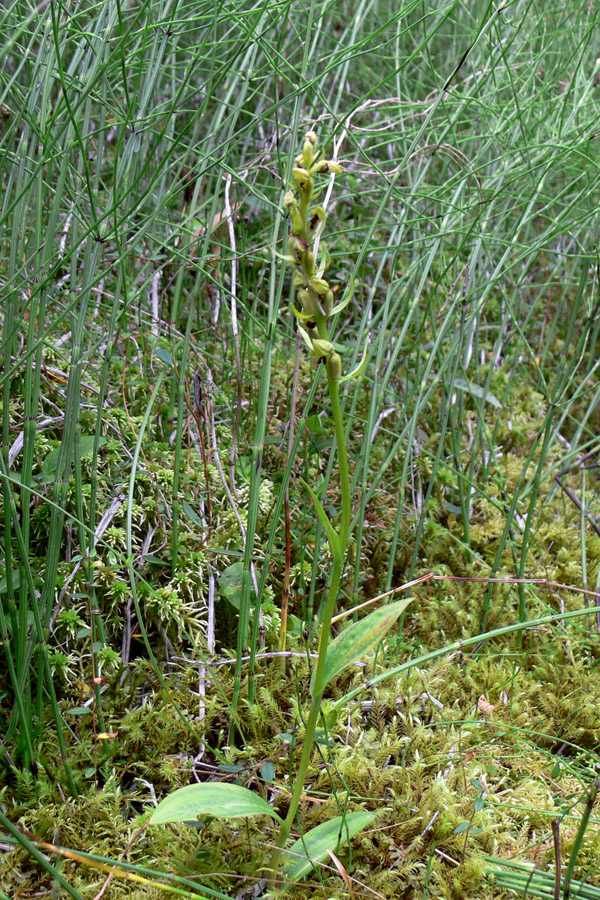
x=316, y=299
x=314, y=312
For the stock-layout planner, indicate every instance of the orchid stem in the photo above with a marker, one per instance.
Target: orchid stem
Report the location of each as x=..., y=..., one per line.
x=334, y=585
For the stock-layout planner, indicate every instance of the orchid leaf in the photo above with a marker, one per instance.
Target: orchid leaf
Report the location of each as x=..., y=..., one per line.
x=210, y=798
x=301, y=316
x=314, y=846
x=360, y=367
x=332, y=535
x=348, y=295
x=356, y=640
x=305, y=337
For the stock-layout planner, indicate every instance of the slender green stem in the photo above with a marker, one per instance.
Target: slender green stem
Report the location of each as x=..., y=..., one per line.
x=334, y=585
x=334, y=393
x=311, y=723
x=38, y=856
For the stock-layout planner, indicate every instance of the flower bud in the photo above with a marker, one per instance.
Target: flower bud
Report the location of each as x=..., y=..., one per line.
x=289, y=201
x=320, y=286
x=308, y=262
x=322, y=349
x=310, y=304
x=317, y=216
x=298, y=248
x=334, y=366
x=300, y=176
x=325, y=166
x=297, y=220
x=308, y=154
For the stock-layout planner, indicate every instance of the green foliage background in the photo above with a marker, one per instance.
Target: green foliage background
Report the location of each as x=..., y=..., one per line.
x=148, y=380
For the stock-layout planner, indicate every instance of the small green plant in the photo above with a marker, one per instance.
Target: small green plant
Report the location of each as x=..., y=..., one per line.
x=316, y=308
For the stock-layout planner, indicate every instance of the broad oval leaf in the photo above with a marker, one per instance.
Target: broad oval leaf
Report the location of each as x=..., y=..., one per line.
x=211, y=798
x=85, y=447
x=230, y=583
x=313, y=847
x=165, y=355
x=358, y=639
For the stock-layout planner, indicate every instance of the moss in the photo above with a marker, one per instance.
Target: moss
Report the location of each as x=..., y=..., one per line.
x=419, y=750
x=419, y=764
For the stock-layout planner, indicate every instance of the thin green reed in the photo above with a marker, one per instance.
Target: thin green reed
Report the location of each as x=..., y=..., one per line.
x=25, y=646
x=556, y=396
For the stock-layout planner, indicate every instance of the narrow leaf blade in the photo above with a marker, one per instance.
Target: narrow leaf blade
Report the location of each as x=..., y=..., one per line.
x=314, y=846
x=477, y=391
x=348, y=294
x=359, y=369
x=334, y=541
x=221, y=801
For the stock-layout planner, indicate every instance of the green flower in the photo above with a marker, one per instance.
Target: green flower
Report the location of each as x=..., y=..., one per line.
x=314, y=293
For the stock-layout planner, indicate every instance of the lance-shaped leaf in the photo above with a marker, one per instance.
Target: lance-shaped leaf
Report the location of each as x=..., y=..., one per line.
x=285, y=257
x=324, y=259
x=305, y=317
x=305, y=336
x=332, y=535
x=313, y=847
x=211, y=798
x=358, y=639
x=348, y=295
x=360, y=367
